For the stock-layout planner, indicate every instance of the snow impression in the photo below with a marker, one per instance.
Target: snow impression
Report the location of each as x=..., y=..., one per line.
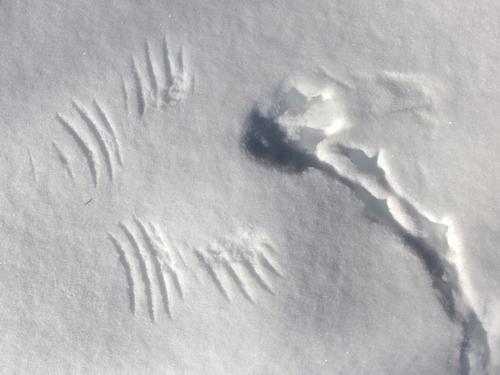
x=301, y=130
x=156, y=271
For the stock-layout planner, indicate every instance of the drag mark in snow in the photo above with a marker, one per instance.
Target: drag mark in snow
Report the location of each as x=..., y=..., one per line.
x=105, y=119
x=126, y=263
x=32, y=165
x=407, y=93
x=153, y=83
x=63, y=159
x=103, y=139
x=427, y=237
x=243, y=260
x=212, y=274
x=153, y=262
x=138, y=89
x=92, y=127
x=145, y=271
x=125, y=95
x=84, y=147
x=299, y=133
x=155, y=80
x=158, y=80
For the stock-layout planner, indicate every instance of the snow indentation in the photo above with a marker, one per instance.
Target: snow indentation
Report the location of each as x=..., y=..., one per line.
x=149, y=258
x=159, y=80
x=281, y=137
x=244, y=260
x=95, y=135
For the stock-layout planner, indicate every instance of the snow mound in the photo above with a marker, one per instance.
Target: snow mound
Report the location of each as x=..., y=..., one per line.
x=301, y=131
x=308, y=110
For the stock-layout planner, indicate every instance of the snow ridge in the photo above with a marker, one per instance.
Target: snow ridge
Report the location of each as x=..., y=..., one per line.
x=296, y=134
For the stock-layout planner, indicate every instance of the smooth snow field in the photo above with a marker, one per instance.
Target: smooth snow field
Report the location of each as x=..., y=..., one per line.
x=250, y=187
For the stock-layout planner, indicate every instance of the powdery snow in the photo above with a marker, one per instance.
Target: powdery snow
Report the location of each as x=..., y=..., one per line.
x=234, y=187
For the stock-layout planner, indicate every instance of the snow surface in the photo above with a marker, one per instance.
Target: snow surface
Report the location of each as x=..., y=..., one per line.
x=249, y=187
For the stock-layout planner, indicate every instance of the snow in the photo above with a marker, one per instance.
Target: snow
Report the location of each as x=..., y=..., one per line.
x=284, y=187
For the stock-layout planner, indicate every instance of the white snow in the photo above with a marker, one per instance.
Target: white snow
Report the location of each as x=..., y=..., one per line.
x=249, y=187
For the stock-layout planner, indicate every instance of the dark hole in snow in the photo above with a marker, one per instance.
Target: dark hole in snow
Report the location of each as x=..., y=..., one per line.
x=268, y=144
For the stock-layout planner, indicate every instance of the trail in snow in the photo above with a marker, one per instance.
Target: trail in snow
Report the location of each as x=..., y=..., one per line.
x=298, y=133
